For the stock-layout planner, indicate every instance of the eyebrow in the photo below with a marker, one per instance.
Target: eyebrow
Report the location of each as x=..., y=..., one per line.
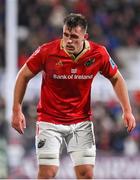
x=72, y=35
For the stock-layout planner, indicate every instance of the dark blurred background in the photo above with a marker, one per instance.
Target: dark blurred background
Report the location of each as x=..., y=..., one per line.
x=112, y=23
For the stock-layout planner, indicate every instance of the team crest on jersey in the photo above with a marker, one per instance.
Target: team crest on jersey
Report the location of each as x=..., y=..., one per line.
x=59, y=63
x=89, y=62
x=112, y=62
x=74, y=71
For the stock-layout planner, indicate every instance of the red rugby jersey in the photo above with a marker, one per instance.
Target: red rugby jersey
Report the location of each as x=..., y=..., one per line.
x=66, y=81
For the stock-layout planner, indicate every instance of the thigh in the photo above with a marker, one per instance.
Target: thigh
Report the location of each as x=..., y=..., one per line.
x=81, y=144
x=48, y=143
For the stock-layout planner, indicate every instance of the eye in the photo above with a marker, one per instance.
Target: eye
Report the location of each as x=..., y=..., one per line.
x=66, y=34
x=73, y=36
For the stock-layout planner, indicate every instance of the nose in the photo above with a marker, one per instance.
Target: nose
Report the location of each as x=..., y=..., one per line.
x=69, y=41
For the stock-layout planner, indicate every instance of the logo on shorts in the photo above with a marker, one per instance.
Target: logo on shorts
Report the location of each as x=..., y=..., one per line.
x=41, y=143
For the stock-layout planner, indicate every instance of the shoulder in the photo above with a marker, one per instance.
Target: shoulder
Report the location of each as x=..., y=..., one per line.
x=50, y=47
x=98, y=48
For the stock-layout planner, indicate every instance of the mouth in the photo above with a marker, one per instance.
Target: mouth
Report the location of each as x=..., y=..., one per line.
x=71, y=48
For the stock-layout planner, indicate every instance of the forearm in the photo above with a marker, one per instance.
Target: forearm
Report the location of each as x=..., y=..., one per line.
x=18, y=119
x=120, y=89
x=22, y=80
x=19, y=91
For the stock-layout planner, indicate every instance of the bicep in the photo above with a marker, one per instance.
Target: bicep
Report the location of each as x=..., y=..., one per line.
x=25, y=73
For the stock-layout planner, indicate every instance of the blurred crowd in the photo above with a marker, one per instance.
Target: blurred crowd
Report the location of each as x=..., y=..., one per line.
x=2, y=33
x=113, y=23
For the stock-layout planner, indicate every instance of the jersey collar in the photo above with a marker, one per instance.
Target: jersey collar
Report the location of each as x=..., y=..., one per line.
x=87, y=47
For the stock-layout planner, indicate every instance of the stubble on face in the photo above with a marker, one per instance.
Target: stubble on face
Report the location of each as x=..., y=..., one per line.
x=73, y=39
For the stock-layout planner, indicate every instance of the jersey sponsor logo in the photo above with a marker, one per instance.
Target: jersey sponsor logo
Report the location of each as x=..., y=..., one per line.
x=59, y=63
x=41, y=143
x=74, y=71
x=112, y=62
x=89, y=62
x=72, y=76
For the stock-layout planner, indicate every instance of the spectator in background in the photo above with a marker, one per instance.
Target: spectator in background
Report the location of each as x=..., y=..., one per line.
x=2, y=34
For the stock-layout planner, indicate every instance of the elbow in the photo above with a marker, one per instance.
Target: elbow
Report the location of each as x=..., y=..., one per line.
x=113, y=81
x=116, y=79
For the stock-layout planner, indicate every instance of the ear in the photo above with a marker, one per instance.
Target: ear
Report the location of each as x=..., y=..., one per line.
x=86, y=36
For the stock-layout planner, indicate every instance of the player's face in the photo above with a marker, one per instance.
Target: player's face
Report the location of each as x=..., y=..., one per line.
x=73, y=39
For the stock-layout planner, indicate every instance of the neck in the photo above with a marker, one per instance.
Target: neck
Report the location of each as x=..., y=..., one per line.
x=83, y=47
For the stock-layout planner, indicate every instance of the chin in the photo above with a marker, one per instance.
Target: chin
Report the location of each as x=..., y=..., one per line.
x=70, y=52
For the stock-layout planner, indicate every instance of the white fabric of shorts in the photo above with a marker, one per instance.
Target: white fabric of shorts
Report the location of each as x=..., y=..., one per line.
x=79, y=139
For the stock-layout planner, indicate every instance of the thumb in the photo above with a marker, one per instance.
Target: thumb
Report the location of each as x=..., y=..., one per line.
x=125, y=121
x=24, y=123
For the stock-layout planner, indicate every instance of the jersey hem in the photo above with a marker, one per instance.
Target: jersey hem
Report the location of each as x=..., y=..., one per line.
x=67, y=122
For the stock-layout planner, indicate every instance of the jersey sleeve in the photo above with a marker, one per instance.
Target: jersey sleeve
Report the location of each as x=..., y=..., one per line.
x=35, y=61
x=108, y=67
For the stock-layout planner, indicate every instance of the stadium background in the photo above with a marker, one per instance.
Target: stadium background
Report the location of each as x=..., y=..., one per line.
x=113, y=23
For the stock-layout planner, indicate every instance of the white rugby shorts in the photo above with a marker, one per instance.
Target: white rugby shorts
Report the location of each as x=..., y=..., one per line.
x=79, y=139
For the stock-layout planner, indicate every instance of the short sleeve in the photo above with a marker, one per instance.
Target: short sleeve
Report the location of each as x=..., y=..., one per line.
x=35, y=61
x=108, y=67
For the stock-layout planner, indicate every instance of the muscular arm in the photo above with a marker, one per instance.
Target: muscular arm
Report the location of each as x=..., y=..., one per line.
x=22, y=80
x=120, y=89
x=23, y=77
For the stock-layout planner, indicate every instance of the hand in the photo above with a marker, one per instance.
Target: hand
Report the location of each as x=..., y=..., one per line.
x=129, y=121
x=18, y=122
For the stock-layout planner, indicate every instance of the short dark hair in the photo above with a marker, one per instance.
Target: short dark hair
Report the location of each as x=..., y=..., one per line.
x=73, y=20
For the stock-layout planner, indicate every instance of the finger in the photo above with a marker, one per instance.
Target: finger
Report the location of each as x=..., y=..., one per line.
x=21, y=127
x=130, y=126
x=18, y=130
x=129, y=130
x=17, y=127
x=133, y=126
